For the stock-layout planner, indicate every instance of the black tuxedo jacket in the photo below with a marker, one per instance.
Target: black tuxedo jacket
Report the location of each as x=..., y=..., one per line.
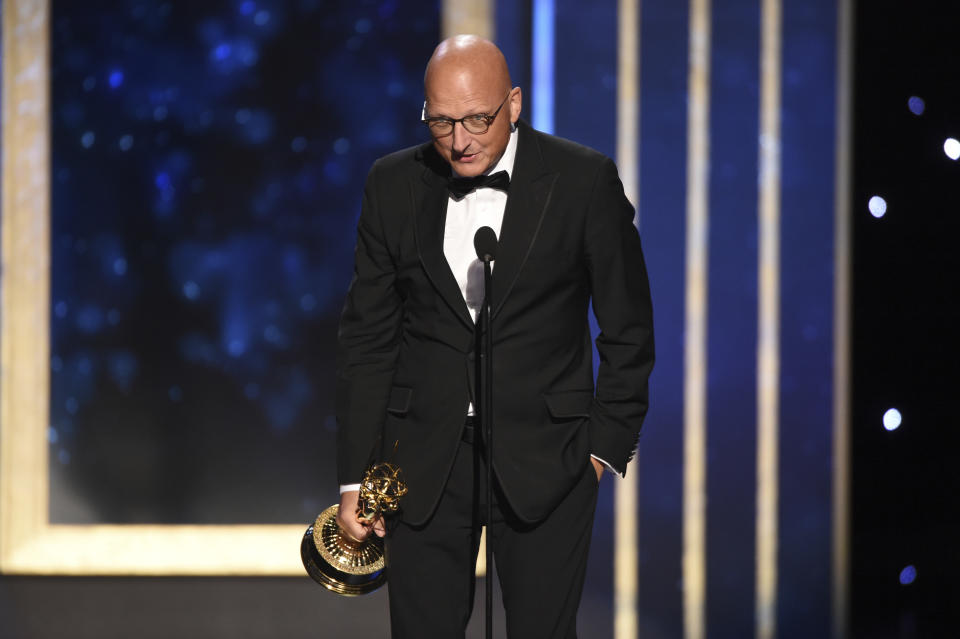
x=405, y=362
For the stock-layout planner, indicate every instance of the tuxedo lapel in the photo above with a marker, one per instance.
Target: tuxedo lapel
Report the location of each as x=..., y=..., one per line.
x=531, y=186
x=429, y=195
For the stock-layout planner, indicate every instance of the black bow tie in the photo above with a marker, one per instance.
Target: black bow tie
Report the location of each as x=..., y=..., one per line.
x=461, y=186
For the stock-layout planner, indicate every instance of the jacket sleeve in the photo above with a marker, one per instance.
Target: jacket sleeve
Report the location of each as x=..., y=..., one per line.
x=368, y=342
x=621, y=302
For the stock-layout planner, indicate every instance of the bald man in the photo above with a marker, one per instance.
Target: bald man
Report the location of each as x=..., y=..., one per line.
x=408, y=334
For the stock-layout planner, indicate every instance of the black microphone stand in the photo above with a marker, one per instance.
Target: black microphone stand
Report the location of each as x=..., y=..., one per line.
x=485, y=242
x=487, y=420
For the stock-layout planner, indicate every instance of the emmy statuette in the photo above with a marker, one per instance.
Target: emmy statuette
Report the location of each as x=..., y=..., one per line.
x=337, y=561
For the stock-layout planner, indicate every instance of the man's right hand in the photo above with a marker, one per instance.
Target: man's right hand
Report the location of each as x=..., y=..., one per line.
x=351, y=524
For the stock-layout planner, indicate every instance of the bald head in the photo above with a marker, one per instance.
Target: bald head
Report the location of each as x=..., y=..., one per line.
x=467, y=76
x=467, y=55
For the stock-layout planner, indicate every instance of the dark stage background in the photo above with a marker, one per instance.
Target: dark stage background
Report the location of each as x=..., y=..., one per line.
x=906, y=313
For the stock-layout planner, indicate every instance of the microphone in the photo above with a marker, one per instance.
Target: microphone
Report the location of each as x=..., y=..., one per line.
x=485, y=242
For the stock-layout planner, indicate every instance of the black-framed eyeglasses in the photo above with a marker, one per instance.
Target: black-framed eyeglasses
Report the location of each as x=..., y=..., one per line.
x=476, y=124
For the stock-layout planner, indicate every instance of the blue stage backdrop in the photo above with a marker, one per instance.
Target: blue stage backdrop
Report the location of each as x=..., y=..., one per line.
x=208, y=162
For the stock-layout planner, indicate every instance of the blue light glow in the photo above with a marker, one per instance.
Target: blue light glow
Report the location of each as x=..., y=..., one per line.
x=115, y=79
x=916, y=105
x=89, y=319
x=191, y=290
x=908, y=575
x=543, y=36
x=87, y=139
x=341, y=146
x=222, y=51
x=237, y=347
x=162, y=181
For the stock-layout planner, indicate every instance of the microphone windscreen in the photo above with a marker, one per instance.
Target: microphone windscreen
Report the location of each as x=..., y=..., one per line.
x=485, y=241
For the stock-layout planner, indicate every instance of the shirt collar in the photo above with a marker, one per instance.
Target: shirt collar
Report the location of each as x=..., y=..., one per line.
x=508, y=157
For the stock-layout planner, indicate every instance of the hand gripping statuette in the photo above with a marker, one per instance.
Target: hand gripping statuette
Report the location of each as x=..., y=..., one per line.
x=337, y=561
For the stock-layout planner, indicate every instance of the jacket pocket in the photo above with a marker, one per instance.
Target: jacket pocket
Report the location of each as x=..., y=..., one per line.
x=569, y=404
x=399, y=402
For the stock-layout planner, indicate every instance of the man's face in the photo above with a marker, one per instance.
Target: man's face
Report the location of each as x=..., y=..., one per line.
x=457, y=94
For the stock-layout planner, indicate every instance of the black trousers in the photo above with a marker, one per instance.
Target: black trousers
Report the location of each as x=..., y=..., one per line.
x=541, y=567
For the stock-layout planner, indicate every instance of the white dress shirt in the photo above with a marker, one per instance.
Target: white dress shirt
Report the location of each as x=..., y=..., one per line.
x=478, y=208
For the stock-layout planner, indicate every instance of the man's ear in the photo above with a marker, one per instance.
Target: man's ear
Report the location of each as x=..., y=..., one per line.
x=516, y=104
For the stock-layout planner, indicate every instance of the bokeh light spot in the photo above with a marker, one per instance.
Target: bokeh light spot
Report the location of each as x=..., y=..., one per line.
x=222, y=51
x=951, y=146
x=916, y=105
x=87, y=139
x=908, y=575
x=892, y=419
x=877, y=206
x=125, y=143
x=236, y=347
x=115, y=79
x=191, y=290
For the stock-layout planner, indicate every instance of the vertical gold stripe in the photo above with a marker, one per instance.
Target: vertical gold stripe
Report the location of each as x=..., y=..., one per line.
x=695, y=346
x=625, y=577
x=25, y=283
x=467, y=16
x=768, y=323
x=841, y=325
